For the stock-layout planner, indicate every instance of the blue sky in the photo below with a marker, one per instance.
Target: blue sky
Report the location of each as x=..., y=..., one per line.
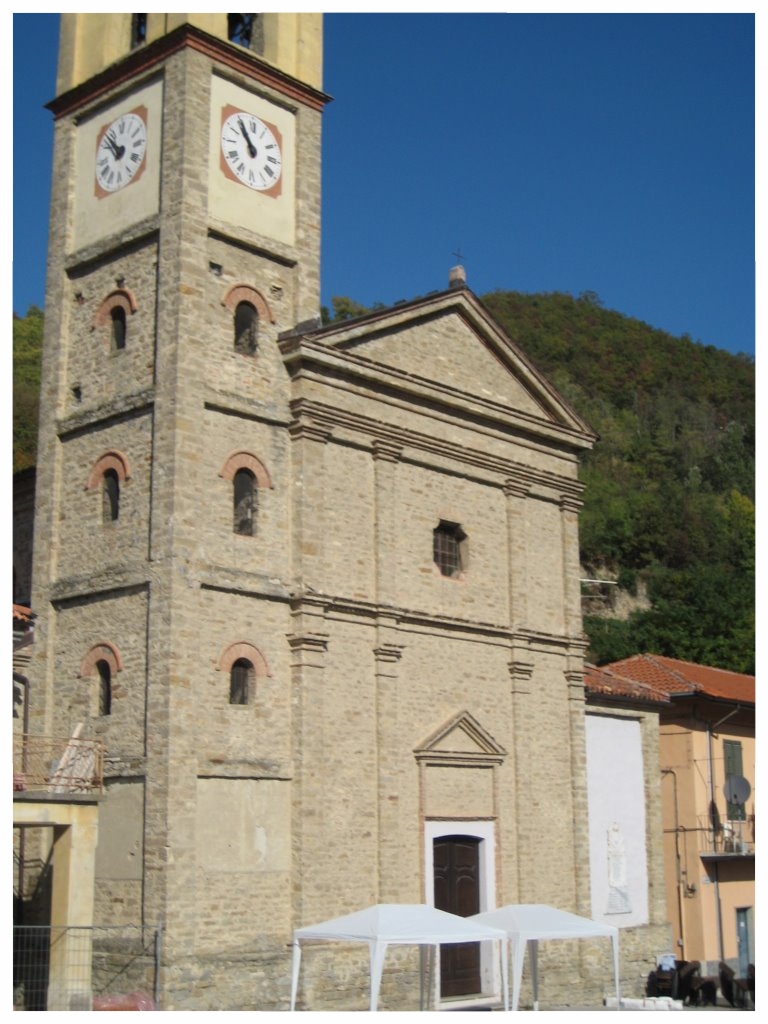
x=611, y=153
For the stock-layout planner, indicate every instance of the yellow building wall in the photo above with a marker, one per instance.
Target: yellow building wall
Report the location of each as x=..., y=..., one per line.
x=89, y=43
x=704, y=892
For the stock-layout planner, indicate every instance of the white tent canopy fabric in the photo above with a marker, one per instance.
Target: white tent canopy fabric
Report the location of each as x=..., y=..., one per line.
x=390, y=924
x=530, y=923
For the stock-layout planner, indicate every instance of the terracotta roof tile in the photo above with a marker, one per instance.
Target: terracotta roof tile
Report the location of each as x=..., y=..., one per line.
x=22, y=614
x=605, y=682
x=671, y=676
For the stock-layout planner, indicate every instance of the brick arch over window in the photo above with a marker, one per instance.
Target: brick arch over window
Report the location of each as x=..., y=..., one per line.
x=109, y=460
x=120, y=297
x=245, y=293
x=103, y=651
x=246, y=460
x=244, y=649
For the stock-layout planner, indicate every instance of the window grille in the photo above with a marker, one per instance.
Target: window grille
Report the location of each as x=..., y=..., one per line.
x=240, y=29
x=245, y=502
x=246, y=328
x=111, y=496
x=239, y=681
x=138, y=30
x=448, y=548
x=119, y=329
x=105, y=688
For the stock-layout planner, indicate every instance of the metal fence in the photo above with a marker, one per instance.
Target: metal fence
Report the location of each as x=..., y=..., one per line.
x=103, y=967
x=57, y=765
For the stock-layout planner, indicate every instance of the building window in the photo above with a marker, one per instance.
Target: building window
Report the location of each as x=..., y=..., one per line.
x=241, y=676
x=244, y=487
x=117, y=315
x=734, y=768
x=105, y=688
x=246, y=328
x=242, y=29
x=138, y=30
x=449, y=548
x=111, y=496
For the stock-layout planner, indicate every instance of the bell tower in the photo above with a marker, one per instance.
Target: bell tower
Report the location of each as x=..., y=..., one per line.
x=184, y=239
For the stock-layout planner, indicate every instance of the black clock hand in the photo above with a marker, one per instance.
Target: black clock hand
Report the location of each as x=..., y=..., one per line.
x=117, y=151
x=246, y=136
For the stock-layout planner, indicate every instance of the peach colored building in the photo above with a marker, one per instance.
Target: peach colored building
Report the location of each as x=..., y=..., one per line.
x=707, y=760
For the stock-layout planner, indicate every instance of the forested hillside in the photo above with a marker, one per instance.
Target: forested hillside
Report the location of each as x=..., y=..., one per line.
x=27, y=350
x=669, y=503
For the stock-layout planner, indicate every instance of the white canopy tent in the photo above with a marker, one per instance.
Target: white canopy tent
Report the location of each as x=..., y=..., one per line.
x=530, y=923
x=398, y=924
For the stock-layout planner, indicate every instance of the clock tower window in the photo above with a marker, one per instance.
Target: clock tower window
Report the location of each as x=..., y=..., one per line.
x=118, y=328
x=111, y=496
x=244, y=503
x=246, y=328
x=138, y=30
x=105, y=688
x=246, y=30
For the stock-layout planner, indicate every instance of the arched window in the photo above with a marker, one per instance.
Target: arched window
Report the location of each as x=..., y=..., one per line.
x=111, y=496
x=108, y=473
x=241, y=681
x=246, y=328
x=105, y=688
x=244, y=489
x=101, y=665
x=117, y=315
x=112, y=317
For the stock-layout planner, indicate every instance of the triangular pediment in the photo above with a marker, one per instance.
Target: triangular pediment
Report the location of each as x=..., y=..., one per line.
x=461, y=736
x=451, y=347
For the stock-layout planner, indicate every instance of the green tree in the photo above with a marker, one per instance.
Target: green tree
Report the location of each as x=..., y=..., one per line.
x=27, y=355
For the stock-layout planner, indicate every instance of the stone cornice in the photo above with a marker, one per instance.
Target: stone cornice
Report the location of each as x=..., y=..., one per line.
x=125, y=407
x=306, y=359
x=514, y=477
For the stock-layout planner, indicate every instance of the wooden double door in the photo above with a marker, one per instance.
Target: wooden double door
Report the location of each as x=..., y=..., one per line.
x=456, y=861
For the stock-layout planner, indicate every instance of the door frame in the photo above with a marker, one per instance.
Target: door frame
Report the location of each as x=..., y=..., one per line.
x=485, y=831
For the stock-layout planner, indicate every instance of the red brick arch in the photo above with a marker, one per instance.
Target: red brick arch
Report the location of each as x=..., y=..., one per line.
x=102, y=651
x=246, y=460
x=109, y=460
x=245, y=293
x=121, y=297
x=244, y=649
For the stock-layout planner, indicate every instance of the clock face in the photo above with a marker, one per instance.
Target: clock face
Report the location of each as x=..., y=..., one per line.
x=120, y=152
x=251, y=151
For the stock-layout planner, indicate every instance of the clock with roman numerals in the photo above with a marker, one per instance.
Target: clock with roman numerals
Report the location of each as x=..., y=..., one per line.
x=251, y=151
x=121, y=149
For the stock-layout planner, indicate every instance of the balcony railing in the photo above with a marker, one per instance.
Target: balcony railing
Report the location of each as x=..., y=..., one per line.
x=45, y=764
x=730, y=839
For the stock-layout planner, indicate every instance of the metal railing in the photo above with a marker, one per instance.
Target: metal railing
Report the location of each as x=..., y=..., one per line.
x=732, y=838
x=103, y=967
x=54, y=765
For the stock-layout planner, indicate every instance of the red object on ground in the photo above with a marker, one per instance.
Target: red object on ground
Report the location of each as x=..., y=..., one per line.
x=132, y=1001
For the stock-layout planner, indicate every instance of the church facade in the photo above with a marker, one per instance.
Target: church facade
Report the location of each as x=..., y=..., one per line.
x=315, y=587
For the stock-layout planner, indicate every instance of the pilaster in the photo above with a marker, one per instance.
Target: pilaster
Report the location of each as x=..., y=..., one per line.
x=308, y=646
x=569, y=523
x=390, y=765
x=516, y=492
x=308, y=457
